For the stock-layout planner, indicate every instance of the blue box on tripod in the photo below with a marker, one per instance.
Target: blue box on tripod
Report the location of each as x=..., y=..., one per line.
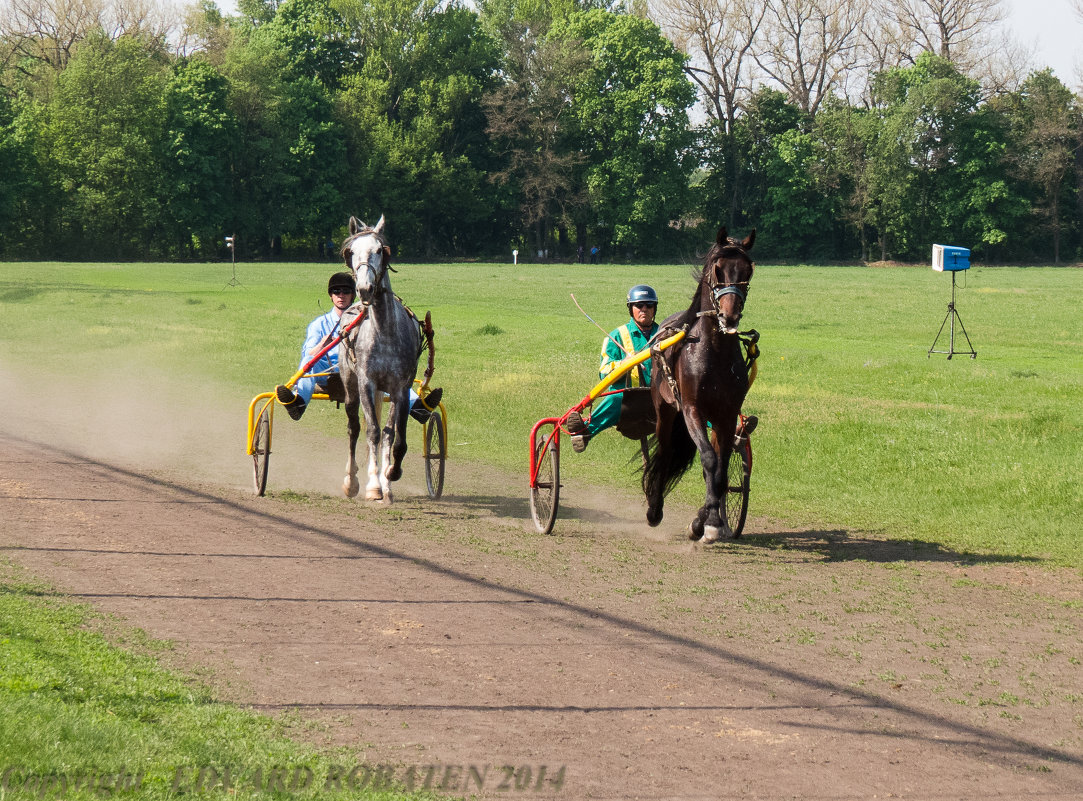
x=947, y=258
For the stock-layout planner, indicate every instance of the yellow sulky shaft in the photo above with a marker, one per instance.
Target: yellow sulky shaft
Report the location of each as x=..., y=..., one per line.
x=621, y=368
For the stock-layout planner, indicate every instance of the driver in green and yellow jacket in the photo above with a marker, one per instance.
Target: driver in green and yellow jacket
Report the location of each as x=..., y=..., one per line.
x=621, y=343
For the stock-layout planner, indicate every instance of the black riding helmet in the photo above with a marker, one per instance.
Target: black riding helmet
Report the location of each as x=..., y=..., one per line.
x=641, y=293
x=342, y=281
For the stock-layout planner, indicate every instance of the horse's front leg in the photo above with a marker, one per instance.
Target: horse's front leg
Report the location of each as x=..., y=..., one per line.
x=386, y=440
x=350, y=484
x=723, y=446
x=395, y=433
x=371, y=404
x=708, y=520
x=695, y=528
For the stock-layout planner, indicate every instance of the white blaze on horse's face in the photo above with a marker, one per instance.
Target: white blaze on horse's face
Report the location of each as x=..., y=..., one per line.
x=366, y=258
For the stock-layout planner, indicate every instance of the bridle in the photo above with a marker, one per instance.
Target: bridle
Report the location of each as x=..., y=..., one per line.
x=385, y=261
x=720, y=290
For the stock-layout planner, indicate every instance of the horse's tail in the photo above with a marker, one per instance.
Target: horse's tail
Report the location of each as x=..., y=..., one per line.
x=663, y=469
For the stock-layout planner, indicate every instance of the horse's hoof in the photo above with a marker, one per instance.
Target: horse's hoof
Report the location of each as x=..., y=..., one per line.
x=386, y=499
x=374, y=494
x=351, y=488
x=711, y=534
x=695, y=529
x=394, y=473
x=654, y=516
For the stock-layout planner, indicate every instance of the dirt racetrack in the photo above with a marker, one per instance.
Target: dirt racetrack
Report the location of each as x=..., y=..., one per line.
x=792, y=664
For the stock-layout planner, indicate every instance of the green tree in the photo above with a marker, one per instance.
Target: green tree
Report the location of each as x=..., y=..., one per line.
x=849, y=132
x=939, y=162
x=257, y=12
x=21, y=181
x=313, y=162
x=311, y=36
x=799, y=178
x=768, y=116
x=288, y=167
x=200, y=140
x=1044, y=121
x=531, y=121
x=105, y=137
x=255, y=72
x=885, y=178
x=416, y=129
x=631, y=110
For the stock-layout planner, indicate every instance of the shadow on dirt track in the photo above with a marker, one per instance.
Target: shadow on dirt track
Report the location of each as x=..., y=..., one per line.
x=839, y=545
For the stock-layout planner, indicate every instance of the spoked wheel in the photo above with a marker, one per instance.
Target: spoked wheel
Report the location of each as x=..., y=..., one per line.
x=261, y=449
x=738, y=475
x=545, y=495
x=435, y=454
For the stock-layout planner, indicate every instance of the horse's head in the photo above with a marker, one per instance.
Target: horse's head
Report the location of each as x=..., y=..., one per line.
x=368, y=255
x=726, y=274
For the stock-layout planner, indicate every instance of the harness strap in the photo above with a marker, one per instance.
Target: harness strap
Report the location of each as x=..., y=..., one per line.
x=752, y=352
x=728, y=289
x=656, y=354
x=424, y=338
x=422, y=341
x=427, y=330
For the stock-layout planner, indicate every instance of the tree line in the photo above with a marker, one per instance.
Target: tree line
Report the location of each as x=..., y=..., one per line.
x=841, y=129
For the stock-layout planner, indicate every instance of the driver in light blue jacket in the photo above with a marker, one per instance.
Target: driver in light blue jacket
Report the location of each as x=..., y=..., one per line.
x=342, y=289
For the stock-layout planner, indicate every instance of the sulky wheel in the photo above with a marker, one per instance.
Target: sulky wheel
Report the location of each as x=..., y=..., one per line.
x=261, y=448
x=435, y=454
x=738, y=473
x=545, y=495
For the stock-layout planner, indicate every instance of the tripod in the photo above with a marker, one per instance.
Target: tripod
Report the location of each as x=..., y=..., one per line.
x=233, y=254
x=953, y=315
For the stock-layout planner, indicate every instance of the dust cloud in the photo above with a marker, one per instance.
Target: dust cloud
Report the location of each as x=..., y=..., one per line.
x=176, y=429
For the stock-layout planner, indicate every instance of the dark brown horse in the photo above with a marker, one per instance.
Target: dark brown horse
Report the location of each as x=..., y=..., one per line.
x=701, y=380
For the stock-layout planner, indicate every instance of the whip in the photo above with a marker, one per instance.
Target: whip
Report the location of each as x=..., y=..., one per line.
x=607, y=336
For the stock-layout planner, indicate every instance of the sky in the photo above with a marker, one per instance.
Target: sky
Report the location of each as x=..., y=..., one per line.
x=1055, y=29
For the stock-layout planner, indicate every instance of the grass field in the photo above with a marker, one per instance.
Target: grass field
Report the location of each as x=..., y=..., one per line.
x=860, y=428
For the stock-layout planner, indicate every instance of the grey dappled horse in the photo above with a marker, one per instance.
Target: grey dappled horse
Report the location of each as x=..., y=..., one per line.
x=380, y=355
